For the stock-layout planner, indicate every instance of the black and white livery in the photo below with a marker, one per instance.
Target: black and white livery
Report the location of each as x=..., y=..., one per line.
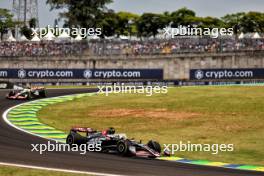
x=28, y=93
x=114, y=143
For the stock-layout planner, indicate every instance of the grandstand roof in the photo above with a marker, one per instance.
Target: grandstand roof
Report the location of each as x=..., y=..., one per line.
x=35, y=38
x=64, y=35
x=49, y=36
x=78, y=38
x=256, y=35
x=11, y=38
x=241, y=36
x=23, y=38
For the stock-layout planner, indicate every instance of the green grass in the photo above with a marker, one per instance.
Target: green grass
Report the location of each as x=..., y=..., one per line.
x=228, y=115
x=16, y=171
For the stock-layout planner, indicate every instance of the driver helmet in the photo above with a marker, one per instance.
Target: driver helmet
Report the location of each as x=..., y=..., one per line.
x=12, y=92
x=111, y=130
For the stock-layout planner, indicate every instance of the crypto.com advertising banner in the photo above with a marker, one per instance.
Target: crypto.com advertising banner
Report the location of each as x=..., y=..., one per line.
x=81, y=73
x=220, y=74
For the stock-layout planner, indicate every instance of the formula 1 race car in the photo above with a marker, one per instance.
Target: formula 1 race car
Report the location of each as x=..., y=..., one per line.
x=26, y=93
x=114, y=143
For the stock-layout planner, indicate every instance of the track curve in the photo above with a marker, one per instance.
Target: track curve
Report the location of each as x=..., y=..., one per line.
x=15, y=147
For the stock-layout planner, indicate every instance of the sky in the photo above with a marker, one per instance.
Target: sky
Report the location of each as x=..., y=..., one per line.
x=215, y=8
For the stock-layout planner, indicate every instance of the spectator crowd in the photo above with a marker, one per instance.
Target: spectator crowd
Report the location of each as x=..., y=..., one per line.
x=47, y=48
x=175, y=46
x=127, y=47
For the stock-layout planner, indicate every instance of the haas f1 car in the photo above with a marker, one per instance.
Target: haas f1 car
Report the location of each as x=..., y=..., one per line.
x=114, y=143
x=27, y=93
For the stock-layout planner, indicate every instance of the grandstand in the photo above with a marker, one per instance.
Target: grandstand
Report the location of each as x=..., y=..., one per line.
x=106, y=47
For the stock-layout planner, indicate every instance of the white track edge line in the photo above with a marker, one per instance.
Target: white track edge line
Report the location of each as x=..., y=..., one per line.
x=25, y=131
x=57, y=170
x=20, y=129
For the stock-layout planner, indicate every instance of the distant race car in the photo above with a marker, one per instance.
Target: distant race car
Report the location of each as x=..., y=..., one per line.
x=114, y=143
x=26, y=93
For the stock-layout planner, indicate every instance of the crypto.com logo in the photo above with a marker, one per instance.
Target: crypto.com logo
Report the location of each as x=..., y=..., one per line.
x=21, y=73
x=87, y=74
x=199, y=74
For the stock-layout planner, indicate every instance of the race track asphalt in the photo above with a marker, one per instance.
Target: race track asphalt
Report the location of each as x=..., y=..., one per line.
x=15, y=147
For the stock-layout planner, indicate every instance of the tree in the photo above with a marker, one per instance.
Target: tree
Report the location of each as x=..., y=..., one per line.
x=149, y=23
x=5, y=21
x=26, y=31
x=183, y=17
x=81, y=13
x=109, y=24
x=126, y=23
x=233, y=21
x=32, y=23
x=211, y=22
x=252, y=22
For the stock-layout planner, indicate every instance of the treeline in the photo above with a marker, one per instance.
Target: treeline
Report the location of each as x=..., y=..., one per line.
x=148, y=24
x=88, y=13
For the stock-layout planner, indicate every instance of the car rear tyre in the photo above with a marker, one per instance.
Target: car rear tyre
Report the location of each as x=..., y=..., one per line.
x=154, y=146
x=75, y=138
x=70, y=139
x=12, y=93
x=28, y=96
x=43, y=94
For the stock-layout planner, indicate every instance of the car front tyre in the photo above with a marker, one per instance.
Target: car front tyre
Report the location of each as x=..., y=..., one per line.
x=122, y=147
x=154, y=146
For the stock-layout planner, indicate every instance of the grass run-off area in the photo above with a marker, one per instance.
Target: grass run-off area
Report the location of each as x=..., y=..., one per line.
x=17, y=171
x=206, y=115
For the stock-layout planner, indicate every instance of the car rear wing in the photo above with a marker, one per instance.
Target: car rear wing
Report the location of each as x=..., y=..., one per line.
x=38, y=88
